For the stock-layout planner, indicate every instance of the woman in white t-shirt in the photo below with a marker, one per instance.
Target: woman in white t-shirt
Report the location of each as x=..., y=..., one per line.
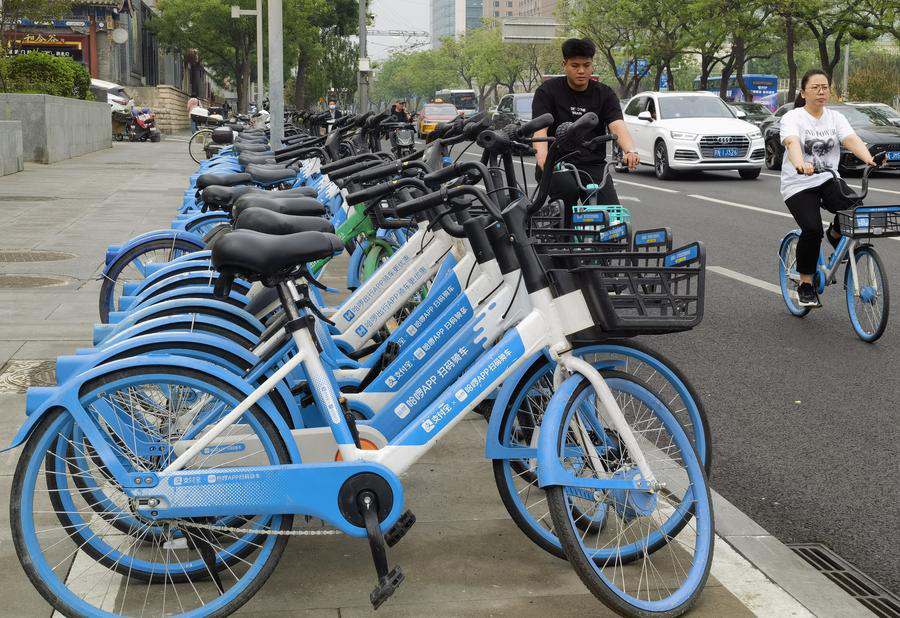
x=812, y=136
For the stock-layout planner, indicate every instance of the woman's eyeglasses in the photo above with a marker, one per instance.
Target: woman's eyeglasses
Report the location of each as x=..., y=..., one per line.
x=818, y=88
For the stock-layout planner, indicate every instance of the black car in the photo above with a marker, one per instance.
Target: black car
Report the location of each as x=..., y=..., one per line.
x=512, y=108
x=756, y=113
x=872, y=127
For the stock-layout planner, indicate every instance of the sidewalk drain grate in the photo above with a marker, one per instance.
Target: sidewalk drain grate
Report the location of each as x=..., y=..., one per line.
x=27, y=198
x=27, y=255
x=853, y=581
x=18, y=375
x=15, y=282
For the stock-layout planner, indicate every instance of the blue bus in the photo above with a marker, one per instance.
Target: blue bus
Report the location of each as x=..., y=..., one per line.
x=763, y=87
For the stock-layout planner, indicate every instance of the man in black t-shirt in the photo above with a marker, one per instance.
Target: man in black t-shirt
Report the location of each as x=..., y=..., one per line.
x=568, y=98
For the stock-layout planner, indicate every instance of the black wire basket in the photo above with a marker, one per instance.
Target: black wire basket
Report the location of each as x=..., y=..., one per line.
x=870, y=221
x=638, y=293
x=570, y=248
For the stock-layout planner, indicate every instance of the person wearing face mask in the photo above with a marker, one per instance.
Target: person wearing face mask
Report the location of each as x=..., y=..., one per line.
x=398, y=112
x=812, y=136
x=333, y=111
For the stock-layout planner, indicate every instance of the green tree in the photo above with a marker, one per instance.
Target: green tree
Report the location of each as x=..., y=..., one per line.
x=832, y=23
x=11, y=11
x=227, y=46
x=876, y=79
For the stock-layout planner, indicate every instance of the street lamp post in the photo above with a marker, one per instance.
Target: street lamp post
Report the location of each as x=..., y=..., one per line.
x=236, y=12
x=276, y=74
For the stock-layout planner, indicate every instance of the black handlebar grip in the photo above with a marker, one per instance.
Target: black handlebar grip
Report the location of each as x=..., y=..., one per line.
x=223, y=285
x=381, y=171
x=419, y=204
x=535, y=124
x=370, y=193
x=344, y=172
x=442, y=175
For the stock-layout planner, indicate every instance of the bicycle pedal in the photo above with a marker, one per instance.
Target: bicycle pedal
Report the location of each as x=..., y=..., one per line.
x=399, y=529
x=387, y=585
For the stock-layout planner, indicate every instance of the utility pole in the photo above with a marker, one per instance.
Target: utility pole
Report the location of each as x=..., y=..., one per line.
x=276, y=74
x=846, y=69
x=259, y=57
x=236, y=12
x=363, y=83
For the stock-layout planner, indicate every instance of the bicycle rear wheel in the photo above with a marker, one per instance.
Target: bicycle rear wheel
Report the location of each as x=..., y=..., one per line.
x=869, y=309
x=654, y=554
x=788, y=275
x=88, y=558
x=197, y=144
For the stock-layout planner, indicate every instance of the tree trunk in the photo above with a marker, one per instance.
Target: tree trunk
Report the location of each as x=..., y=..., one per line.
x=791, y=61
x=740, y=60
x=670, y=76
x=300, y=81
x=657, y=77
x=243, y=91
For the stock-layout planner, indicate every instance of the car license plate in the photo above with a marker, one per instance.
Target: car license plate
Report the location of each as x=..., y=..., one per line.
x=725, y=152
x=893, y=155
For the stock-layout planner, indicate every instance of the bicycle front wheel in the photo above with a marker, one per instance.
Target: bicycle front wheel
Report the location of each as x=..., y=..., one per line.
x=198, y=143
x=869, y=305
x=654, y=554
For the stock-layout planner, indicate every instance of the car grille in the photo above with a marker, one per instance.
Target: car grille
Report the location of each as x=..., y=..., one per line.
x=686, y=155
x=759, y=153
x=710, y=142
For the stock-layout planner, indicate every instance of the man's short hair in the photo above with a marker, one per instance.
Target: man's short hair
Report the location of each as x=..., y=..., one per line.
x=578, y=48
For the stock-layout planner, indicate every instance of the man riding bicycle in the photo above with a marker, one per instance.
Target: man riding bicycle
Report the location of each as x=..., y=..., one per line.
x=568, y=98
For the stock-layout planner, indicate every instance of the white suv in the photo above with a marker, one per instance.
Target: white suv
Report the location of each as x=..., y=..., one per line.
x=692, y=131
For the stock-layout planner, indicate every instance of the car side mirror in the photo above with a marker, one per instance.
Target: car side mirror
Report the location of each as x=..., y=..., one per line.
x=645, y=115
x=741, y=114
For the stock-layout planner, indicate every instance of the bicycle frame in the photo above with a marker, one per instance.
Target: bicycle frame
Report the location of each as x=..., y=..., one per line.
x=312, y=488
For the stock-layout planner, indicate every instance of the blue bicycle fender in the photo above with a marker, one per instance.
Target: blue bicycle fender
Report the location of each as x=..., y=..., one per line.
x=193, y=319
x=493, y=449
x=169, y=269
x=114, y=251
x=126, y=320
x=67, y=397
x=203, y=279
x=356, y=259
x=200, y=219
x=202, y=291
x=550, y=469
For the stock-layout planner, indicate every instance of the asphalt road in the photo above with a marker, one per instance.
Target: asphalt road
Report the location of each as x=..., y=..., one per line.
x=804, y=415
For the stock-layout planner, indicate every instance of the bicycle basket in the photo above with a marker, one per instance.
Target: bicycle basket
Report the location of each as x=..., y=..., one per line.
x=570, y=248
x=584, y=215
x=870, y=221
x=639, y=293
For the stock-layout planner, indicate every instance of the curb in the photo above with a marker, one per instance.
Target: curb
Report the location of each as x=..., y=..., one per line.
x=814, y=591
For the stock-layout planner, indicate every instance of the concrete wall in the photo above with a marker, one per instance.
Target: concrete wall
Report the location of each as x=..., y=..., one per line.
x=169, y=104
x=57, y=128
x=12, y=159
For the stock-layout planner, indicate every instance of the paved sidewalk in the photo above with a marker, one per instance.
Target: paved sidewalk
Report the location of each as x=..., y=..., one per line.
x=464, y=557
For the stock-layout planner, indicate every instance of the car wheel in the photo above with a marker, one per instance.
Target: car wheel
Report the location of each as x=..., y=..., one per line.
x=750, y=174
x=773, y=156
x=661, y=162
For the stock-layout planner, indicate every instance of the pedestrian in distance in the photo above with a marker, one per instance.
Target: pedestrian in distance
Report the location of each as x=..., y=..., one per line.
x=568, y=98
x=812, y=136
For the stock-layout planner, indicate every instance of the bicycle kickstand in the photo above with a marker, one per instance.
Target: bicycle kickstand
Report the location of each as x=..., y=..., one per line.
x=388, y=581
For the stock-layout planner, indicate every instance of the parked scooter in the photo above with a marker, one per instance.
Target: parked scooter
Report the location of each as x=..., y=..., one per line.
x=139, y=125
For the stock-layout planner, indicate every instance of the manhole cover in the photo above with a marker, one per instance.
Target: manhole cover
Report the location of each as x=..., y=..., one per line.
x=10, y=282
x=26, y=198
x=26, y=255
x=18, y=375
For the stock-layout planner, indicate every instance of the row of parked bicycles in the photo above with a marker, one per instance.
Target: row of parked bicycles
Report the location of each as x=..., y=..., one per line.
x=224, y=398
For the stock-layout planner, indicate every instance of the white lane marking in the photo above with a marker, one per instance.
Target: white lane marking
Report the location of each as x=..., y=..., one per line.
x=732, y=274
x=628, y=198
x=745, y=206
x=638, y=184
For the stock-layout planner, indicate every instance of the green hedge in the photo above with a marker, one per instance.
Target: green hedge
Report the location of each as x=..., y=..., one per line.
x=40, y=73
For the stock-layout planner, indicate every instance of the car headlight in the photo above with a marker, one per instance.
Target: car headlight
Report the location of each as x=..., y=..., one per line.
x=754, y=134
x=683, y=135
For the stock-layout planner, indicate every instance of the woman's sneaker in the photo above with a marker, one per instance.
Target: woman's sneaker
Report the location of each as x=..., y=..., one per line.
x=807, y=296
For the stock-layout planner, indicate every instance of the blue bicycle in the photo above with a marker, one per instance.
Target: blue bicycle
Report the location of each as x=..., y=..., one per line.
x=865, y=285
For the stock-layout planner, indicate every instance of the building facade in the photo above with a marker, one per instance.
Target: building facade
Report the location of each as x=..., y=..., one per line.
x=454, y=18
